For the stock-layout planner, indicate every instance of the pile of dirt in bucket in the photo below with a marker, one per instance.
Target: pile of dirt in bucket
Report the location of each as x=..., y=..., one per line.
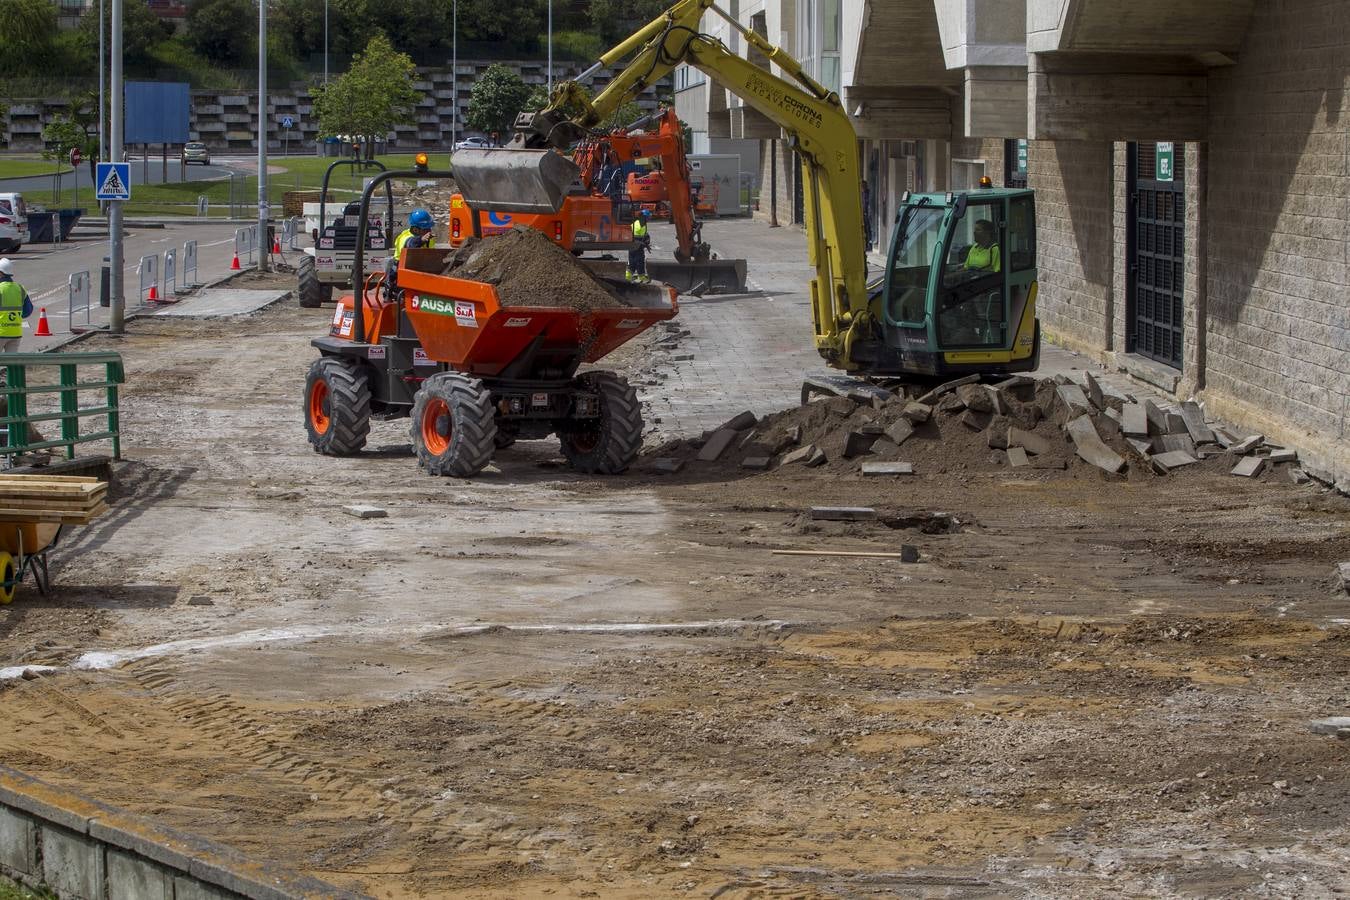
x=528, y=269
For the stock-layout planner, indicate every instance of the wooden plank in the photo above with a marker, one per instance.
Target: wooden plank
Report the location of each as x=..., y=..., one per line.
x=20, y=516
x=872, y=554
x=60, y=479
x=47, y=503
x=38, y=488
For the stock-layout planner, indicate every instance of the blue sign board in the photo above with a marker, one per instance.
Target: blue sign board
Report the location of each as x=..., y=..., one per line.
x=157, y=112
x=288, y=123
x=112, y=181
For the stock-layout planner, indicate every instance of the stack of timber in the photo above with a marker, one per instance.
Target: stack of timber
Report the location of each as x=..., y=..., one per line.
x=68, y=499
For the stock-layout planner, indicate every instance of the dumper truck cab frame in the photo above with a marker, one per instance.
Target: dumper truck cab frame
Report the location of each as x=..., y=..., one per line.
x=473, y=373
x=330, y=262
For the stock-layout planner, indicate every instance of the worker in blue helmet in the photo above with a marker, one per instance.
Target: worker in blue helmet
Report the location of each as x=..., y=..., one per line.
x=417, y=234
x=637, y=254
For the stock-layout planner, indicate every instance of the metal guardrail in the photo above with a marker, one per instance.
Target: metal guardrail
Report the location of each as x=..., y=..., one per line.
x=17, y=391
x=246, y=243
x=148, y=269
x=170, y=272
x=189, y=265
x=79, y=301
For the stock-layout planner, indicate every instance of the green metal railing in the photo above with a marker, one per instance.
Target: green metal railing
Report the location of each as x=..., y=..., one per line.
x=17, y=390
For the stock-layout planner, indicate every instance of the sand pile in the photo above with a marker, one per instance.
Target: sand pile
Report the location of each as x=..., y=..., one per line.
x=964, y=426
x=528, y=269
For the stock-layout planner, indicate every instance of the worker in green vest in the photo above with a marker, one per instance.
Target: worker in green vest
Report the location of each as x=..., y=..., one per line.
x=15, y=306
x=983, y=255
x=637, y=255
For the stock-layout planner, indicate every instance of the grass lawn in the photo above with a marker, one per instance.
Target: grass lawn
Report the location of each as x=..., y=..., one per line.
x=23, y=166
x=10, y=890
x=302, y=173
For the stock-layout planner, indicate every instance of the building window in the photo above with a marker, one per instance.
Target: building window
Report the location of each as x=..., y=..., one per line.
x=819, y=27
x=1022, y=234
x=966, y=174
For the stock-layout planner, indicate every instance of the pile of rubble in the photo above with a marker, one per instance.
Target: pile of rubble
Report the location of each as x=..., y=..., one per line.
x=964, y=425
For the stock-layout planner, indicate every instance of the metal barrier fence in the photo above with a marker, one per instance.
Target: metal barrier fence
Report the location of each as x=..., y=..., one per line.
x=290, y=232
x=189, y=265
x=17, y=392
x=79, y=301
x=170, y=272
x=246, y=243
x=149, y=272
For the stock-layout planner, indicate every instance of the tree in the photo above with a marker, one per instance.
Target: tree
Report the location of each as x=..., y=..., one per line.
x=496, y=99
x=373, y=96
x=217, y=29
x=142, y=31
x=27, y=30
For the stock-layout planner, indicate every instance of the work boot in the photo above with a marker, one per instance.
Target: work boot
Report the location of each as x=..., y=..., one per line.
x=646, y=279
x=627, y=274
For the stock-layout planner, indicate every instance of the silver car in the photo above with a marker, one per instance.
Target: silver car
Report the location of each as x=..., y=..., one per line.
x=196, y=152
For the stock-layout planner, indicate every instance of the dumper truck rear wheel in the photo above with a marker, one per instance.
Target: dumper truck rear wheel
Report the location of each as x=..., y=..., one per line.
x=607, y=444
x=309, y=290
x=454, y=429
x=337, y=407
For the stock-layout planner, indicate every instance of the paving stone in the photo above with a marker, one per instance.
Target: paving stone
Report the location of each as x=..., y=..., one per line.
x=1157, y=418
x=1114, y=415
x=1073, y=397
x=1282, y=456
x=1017, y=458
x=1246, y=445
x=843, y=513
x=1173, y=459
x=1090, y=447
x=365, y=512
x=740, y=421
x=666, y=465
x=809, y=456
x=1029, y=441
x=944, y=389
x=716, y=445
x=1094, y=391
x=1168, y=443
x=917, y=412
x=951, y=404
x=841, y=406
x=1329, y=725
x=997, y=432
x=1223, y=436
x=997, y=400
x=976, y=421
x=1016, y=381
x=1134, y=420
x=887, y=468
x=1142, y=447
x=1249, y=467
x=909, y=553
x=900, y=432
x=1107, y=428
x=1176, y=424
x=1194, y=419
x=975, y=397
x=757, y=463
x=873, y=429
x=857, y=443
x=1298, y=476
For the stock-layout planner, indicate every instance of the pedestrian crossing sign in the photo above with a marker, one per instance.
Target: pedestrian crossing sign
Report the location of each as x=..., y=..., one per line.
x=113, y=180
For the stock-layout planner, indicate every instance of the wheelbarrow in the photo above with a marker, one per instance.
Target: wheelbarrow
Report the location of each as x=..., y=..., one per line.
x=23, y=551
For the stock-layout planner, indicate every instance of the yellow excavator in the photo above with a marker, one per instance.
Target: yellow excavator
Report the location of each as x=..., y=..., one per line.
x=958, y=294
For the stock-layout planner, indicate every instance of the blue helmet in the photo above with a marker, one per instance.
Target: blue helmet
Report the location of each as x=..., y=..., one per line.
x=420, y=218
x=646, y=214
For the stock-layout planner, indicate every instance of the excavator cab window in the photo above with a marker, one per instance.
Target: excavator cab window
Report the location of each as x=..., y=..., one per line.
x=916, y=241
x=971, y=301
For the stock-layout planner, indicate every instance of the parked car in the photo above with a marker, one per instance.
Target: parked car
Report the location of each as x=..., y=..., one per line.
x=13, y=223
x=196, y=152
x=473, y=143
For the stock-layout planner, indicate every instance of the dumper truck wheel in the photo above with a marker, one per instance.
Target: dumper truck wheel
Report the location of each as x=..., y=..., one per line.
x=9, y=578
x=337, y=407
x=606, y=445
x=309, y=290
x=454, y=429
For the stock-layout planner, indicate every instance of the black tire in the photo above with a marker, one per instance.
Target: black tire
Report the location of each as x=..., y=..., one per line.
x=310, y=292
x=337, y=407
x=454, y=426
x=506, y=436
x=607, y=445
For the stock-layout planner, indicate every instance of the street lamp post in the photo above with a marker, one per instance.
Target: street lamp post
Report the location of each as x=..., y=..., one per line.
x=264, y=248
x=325, y=41
x=550, y=46
x=454, y=74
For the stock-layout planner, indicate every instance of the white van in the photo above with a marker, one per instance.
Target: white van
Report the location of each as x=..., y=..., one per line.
x=13, y=222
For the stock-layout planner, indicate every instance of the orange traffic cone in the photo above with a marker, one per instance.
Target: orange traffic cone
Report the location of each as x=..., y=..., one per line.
x=154, y=293
x=276, y=245
x=234, y=264
x=43, y=329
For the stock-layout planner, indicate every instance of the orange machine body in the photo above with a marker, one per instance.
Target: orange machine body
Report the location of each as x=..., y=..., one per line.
x=585, y=222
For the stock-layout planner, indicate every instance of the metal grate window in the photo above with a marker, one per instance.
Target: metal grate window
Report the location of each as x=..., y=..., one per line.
x=1156, y=251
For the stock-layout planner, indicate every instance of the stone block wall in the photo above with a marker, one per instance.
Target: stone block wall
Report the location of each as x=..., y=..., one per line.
x=789, y=169
x=1075, y=198
x=1279, y=220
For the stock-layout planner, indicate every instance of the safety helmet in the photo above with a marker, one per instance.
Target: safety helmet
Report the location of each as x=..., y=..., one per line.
x=420, y=218
x=6, y=267
x=646, y=214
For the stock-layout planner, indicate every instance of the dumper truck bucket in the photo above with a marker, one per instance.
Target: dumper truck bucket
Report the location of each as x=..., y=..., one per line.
x=519, y=181
x=710, y=276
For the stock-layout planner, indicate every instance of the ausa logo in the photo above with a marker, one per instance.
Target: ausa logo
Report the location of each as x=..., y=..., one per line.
x=434, y=305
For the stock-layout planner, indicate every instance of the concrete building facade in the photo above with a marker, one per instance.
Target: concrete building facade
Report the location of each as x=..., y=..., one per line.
x=1191, y=162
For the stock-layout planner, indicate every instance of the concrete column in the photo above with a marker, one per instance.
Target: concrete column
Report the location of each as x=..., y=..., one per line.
x=1195, y=295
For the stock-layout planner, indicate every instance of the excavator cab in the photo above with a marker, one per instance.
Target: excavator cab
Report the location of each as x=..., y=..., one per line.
x=959, y=290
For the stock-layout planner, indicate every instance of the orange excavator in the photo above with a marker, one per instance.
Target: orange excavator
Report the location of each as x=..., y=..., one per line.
x=598, y=213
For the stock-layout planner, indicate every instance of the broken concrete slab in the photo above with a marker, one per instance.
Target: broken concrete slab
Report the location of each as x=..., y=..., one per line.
x=950, y=404
x=1091, y=448
x=1157, y=418
x=1094, y=391
x=872, y=429
x=900, y=432
x=975, y=420
x=365, y=512
x=1073, y=397
x=887, y=468
x=1194, y=418
x=809, y=456
x=1249, y=467
x=997, y=433
x=716, y=444
x=1107, y=427
x=1223, y=436
x=917, y=412
x=1169, y=443
x=1029, y=441
x=757, y=463
x=944, y=389
x=1175, y=423
x=1246, y=445
x=975, y=397
x=1134, y=420
x=1282, y=456
x=666, y=465
x=1114, y=415
x=1331, y=725
x=1017, y=458
x=1173, y=459
x=1142, y=447
x=740, y=422
x=843, y=513
x=1016, y=381
x=857, y=443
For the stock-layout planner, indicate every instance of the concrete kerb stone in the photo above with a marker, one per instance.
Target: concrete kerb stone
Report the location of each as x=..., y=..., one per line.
x=1091, y=448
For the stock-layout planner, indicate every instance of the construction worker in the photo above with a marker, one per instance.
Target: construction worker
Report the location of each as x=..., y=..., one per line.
x=637, y=256
x=983, y=255
x=15, y=306
x=417, y=234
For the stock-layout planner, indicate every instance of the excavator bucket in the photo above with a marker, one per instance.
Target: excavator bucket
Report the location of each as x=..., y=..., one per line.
x=507, y=180
x=709, y=276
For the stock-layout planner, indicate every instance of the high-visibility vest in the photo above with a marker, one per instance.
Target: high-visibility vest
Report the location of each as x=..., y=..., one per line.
x=639, y=228
x=405, y=236
x=11, y=310
x=986, y=258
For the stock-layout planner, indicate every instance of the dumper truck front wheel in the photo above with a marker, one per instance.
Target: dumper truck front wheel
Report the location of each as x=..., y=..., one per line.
x=608, y=443
x=454, y=429
x=337, y=407
x=310, y=292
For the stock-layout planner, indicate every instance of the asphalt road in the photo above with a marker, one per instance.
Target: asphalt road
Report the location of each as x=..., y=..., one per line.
x=45, y=269
x=153, y=174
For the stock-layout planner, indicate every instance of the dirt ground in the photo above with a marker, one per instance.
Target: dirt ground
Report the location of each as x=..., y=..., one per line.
x=536, y=683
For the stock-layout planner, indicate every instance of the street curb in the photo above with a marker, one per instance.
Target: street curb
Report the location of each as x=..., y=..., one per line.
x=54, y=838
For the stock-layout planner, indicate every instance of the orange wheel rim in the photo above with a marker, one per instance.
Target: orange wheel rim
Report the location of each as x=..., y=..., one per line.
x=436, y=426
x=318, y=403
